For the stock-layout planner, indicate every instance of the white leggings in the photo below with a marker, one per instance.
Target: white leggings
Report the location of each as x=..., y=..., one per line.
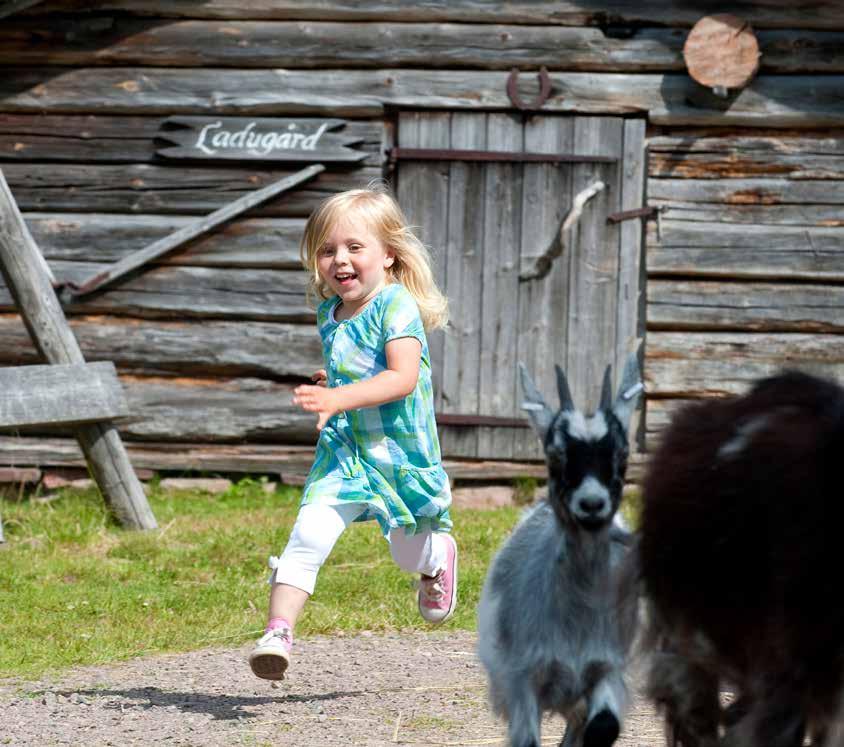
x=318, y=527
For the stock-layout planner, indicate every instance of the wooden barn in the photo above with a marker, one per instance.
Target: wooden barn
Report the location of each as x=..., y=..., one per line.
x=588, y=175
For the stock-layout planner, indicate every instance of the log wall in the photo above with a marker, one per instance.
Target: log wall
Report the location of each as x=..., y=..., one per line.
x=744, y=275
x=745, y=265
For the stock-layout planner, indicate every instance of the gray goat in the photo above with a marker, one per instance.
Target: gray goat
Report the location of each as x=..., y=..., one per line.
x=554, y=626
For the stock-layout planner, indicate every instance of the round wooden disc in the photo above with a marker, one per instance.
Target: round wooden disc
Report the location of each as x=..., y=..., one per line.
x=722, y=51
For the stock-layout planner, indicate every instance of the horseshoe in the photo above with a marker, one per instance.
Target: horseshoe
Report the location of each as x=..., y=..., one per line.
x=542, y=96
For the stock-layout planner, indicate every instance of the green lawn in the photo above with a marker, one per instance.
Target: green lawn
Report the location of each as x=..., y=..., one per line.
x=76, y=589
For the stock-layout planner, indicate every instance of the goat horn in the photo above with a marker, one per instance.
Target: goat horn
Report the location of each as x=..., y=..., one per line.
x=606, y=390
x=566, y=402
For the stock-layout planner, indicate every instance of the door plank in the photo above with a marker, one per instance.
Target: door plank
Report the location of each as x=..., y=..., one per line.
x=543, y=303
x=594, y=263
x=464, y=261
x=500, y=287
x=423, y=195
x=630, y=312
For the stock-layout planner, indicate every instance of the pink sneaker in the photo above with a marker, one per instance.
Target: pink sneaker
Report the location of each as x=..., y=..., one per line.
x=438, y=594
x=271, y=655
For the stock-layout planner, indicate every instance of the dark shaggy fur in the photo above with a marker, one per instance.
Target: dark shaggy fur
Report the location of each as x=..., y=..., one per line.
x=741, y=555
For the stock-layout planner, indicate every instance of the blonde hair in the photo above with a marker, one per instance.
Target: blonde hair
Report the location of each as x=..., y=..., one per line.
x=383, y=216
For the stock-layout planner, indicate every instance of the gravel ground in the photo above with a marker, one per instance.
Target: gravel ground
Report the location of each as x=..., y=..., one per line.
x=370, y=689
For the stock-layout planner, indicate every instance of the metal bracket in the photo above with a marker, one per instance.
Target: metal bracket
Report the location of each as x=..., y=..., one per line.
x=643, y=212
x=542, y=96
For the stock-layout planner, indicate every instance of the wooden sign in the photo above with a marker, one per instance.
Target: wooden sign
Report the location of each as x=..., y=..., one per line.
x=258, y=139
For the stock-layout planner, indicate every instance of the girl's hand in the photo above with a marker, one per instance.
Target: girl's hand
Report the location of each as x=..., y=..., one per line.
x=318, y=399
x=320, y=378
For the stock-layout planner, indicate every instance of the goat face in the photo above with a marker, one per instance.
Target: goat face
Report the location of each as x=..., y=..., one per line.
x=586, y=456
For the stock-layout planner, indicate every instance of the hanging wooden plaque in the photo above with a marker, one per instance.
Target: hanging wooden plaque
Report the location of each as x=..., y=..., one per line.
x=258, y=139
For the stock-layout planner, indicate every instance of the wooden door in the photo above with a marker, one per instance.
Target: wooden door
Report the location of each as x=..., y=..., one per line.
x=485, y=222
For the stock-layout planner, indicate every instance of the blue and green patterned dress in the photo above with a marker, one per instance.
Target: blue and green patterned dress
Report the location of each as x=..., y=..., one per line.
x=386, y=458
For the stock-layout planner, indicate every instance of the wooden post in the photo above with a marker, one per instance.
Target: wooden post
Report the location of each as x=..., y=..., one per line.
x=44, y=318
x=57, y=394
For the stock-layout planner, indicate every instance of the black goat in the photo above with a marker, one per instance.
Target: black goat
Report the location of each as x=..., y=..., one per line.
x=740, y=549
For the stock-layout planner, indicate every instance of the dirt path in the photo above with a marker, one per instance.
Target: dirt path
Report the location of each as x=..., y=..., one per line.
x=409, y=688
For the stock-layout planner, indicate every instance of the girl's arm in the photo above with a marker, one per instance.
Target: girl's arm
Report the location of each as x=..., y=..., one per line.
x=396, y=382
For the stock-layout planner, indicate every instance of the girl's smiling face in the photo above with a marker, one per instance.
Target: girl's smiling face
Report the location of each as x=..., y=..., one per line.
x=354, y=262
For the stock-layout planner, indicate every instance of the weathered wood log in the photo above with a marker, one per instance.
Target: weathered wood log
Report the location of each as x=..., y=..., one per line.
x=770, y=100
x=705, y=154
x=119, y=139
x=181, y=457
x=721, y=52
x=60, y=395
x=747, y=191
x=167, y=189
x=37, y=302
x=190, y=292
x=806, y=214
x=211, y=410
x=233, y=458
x=154, y=347
x=269, y=243
x=773, y=201
x=215, y=410
x=751, y=306
x=686, y=365
x=823, y=14
x=714, y=249
x=162, y=246
x=114, y=40
x=702, y=154
x=741, y=141
x=120, y=40
x=743, y=165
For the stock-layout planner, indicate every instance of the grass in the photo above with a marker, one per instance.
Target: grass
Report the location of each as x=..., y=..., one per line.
x=76, y=589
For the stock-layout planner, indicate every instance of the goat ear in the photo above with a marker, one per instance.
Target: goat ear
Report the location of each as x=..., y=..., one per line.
x=606, y=390
x=566, y=402
x=539, y=413
x=628, y=391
